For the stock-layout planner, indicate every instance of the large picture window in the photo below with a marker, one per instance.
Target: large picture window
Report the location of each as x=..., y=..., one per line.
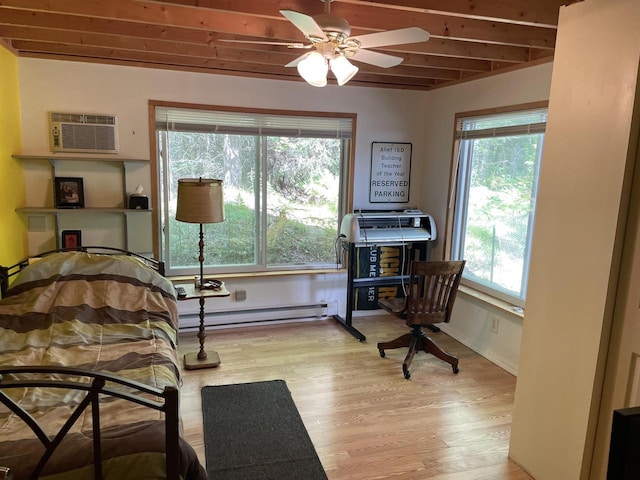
x=496, y=177
x=284, y=180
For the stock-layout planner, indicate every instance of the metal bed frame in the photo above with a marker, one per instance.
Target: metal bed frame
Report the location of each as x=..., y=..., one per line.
x=94, y=383
x=7, y=272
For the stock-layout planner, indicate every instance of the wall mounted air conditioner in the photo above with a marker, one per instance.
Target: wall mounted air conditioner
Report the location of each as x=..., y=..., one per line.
x=83, y=133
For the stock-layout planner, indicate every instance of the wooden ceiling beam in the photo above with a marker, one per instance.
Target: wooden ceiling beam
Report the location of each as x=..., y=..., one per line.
x=448, y=27
x=251, y=18
x=219, y=59
x=371, y=81
x=469, y=38
x=375, y=18
x=9, y=16
x=526, y=12
x=439, y=47
x=154, y=13
x=156, y=58
x=433, y=61
x=228, y=69
x=538, y=13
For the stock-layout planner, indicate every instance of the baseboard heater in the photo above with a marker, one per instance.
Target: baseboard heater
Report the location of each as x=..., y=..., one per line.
x=190, y=320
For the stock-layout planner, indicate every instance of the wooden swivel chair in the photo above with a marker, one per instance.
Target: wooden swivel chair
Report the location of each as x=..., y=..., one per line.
x=431, y=292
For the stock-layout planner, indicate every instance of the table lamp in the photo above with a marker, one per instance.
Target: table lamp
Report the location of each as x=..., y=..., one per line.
x=200, y=201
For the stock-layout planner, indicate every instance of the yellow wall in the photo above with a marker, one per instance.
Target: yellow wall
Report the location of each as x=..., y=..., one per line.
x=13, y=234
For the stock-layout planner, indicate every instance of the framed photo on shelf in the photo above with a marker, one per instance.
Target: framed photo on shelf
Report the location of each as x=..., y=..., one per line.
x=69, y=192
x=71, y=239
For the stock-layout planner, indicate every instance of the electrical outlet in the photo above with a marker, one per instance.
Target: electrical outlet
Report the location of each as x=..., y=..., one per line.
x=495, y=323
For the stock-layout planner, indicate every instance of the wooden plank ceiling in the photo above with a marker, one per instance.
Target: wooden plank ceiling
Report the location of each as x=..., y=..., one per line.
x=468, y=38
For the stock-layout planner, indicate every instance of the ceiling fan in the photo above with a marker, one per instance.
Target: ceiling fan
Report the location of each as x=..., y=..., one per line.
x=329, y=37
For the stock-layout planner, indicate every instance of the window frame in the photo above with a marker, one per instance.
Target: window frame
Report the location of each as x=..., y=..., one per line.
x=453, y=209
x=346, y=177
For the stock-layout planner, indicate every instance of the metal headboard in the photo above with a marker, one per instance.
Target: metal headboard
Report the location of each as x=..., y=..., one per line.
x=7, y=272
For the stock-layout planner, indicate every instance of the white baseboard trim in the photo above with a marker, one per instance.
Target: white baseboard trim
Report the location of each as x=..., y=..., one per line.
x=480, y=349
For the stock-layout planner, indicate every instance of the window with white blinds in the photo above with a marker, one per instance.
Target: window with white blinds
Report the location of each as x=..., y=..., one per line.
x=495, y=181
x=284, y=180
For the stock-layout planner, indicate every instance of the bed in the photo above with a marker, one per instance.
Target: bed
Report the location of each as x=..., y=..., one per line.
x=89, y=370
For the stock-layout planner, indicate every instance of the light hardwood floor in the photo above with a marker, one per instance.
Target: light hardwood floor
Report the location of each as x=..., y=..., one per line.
x=366, y=421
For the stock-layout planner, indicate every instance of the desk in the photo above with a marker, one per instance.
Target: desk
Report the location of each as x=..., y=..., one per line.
x=201, y=359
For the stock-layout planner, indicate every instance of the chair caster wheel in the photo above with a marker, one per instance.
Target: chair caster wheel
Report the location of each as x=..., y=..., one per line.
x=382, y=354
x=455, y=368
x=406, y=372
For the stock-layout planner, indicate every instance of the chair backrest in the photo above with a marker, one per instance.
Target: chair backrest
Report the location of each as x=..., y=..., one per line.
x=432, y=290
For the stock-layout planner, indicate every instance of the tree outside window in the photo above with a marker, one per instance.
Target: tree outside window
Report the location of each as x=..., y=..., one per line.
x=497, y=176
x=283, y=194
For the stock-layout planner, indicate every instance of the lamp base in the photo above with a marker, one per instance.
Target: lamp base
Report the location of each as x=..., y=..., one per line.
x=192, y=362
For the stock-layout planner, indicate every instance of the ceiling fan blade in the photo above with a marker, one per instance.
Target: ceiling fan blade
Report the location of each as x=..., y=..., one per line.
x=375, y=58
x=257, y=42
x=393, y=37
x=294, y=63
x=305, y=24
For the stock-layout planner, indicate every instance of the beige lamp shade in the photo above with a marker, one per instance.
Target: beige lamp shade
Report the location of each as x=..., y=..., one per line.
x=200, y=200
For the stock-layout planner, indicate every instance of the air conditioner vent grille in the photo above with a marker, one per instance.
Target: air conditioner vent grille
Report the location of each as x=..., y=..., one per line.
x=88, y=137
x=80, y=132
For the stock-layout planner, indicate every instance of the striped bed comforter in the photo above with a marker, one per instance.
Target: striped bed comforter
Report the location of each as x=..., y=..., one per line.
x=101, y=313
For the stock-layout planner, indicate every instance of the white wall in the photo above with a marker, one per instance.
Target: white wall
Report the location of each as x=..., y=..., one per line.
x=424, y=119
x=383, y=115
x=472, y=319
x=583, y=199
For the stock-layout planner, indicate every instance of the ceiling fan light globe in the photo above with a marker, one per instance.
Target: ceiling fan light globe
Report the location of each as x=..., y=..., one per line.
x=314, y=69
x=343, y=69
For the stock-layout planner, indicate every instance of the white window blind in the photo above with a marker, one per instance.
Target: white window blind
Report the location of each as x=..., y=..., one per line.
x=504, y=125
x=241, y=123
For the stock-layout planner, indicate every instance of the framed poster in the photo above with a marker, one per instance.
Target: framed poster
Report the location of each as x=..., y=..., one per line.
x=390, y=172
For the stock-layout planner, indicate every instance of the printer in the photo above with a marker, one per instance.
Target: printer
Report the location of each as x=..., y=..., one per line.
x=387, y=227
